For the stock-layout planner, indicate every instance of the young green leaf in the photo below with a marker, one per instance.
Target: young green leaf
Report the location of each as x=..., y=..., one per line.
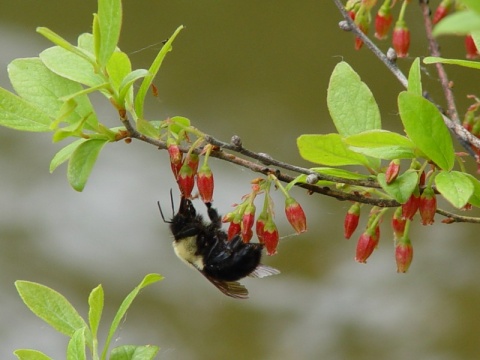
x=414, y=78
x=147, y=280
x=147, y=81
x=64, y=154
x=350, y=102
x=402, y=187
x=132, y=352
x=19, y=114
x=95, y=302
x=472, y=5
x=125, y=88
x=475, y=198
x=50, y=306
x=27, y=354
x=76, y=346
x=381, y=144
x=424, y=125
x=110, y=24
x=328, y=150
x=455, y=186
x=460, y=62
x=71, y=66
x=459, y=23
x=146, y=128
x=82, y=160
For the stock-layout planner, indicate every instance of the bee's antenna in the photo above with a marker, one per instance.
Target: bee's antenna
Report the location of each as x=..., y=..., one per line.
x=161, y=213
x=171, y=202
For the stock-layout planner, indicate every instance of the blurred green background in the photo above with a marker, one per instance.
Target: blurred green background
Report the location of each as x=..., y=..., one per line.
x=260, y=70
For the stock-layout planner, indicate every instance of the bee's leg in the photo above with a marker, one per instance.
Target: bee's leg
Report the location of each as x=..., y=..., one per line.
x=213, y=215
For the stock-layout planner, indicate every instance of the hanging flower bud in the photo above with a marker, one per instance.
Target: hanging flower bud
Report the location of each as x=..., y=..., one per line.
x=367, y=242
x=193, y=160
x=295, y=215
x=363, y=23
x=403, y=253
x=260, y=225
x=234, y=228
x=401, y=39
x=398, y=223
x=351, y=220
x=427, y=206
x=442, y=10
x=411, y=206
x=205, y=183
x=471, y=48
x=270, y=237
x=392, y=171
x=176, y=158
x=383, y=20
x=186, y=180
x=248, y=219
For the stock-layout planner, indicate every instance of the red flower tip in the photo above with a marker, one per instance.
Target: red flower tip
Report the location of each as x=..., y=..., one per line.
x=176, y=158
x=472, y=51
x=442, y=10
x=383, y=21
x=351, y=220
x=367, y=242
x=248, y=219
x=233, y=229
x=401, y=39
x=427, y=206
x=295, y=215
x=392, y=171
x=205, y=183
x=398, y=223
x=186, y=180
x=403, y=254
x=411, y=206
x=270, y=237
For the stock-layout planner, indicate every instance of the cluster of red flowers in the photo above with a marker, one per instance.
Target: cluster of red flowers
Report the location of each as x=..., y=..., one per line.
x=242, y=218
x=423, y=201
x=360, y=12
x=186, y=171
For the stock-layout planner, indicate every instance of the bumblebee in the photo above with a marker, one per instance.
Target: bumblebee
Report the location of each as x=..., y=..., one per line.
x=205, y=247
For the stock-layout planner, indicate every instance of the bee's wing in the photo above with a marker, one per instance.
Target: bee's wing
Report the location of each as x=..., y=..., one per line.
x=263, y=271
x=230, y=288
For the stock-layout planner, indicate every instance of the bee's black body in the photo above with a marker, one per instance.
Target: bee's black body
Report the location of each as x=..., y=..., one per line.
x=205, y=247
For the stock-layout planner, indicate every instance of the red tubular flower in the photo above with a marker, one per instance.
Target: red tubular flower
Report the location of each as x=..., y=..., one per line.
x=472, y=51
x=442, y=10
x=205, y=183
x=383, y=21
x=260, y=225
x=186, y=180
x=367, y=242
x=234, y=229
x=427, y=206
x=411, y=206
x=398, y=223
x=176, y=158
x=270, y=237
x=392, y=171
x=401, y=39
x=193, y=160
x=403, y=254
x=295, y=215
x=248, y=219
x=351, y=220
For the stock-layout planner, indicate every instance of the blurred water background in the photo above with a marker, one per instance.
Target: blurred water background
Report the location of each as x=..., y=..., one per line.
x=260, y=70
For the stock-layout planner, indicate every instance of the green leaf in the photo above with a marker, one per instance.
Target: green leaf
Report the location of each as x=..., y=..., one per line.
x=76, y=346
x=64, y=154
x=110, y=24
x=82, y=160
x=475, y=198
x=34, y=82
x=132, y=352
x=19, y=114
x=118, y=67
x=95, y=302
x=71, y=66
x=458, y=23
x=64, y=44
x=424, y=125
x=414, y=78
x=126, y=86
x=382, y=144
x=351, y=103
x=464, y=63
x=472, y=5
x=146, y=128
x=177, y=124
x=147, y=280
x=341, y=173
x=455, y=186
x=27, y=354
x=328, y=150
x=50, y=306
x=402, y=187
x=147, y=81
